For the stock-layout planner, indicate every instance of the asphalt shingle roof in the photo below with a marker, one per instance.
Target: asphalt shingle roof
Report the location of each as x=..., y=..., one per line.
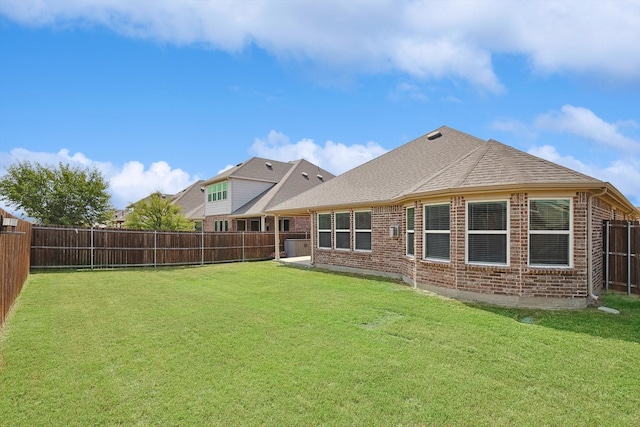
x=452, y=161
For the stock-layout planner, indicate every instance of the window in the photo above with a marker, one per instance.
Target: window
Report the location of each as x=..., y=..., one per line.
x=217, y=191
x=410, y=232
x=487, y=234
x=242, y=225
x=284, y=224
x=362, y=231
x=324, y=231
x=437, y=232
x=550, y=232
x=221, y=225
x=343, y=230
x=255, y=225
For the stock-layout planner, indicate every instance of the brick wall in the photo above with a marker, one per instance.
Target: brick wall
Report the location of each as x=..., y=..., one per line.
x=516, y=280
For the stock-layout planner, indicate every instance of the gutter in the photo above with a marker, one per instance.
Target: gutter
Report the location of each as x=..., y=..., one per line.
x=590, y=197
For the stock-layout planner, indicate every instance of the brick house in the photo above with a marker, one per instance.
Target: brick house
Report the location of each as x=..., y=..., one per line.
x=466, y=218
x=237, y=199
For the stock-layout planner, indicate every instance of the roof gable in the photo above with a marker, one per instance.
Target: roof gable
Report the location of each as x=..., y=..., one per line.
x=301, y=177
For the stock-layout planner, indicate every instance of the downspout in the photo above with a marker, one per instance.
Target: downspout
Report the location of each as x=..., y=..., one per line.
x=590, y=197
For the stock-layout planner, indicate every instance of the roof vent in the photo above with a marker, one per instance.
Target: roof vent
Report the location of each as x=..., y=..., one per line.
x=306, y=175
x=268, y=165
x=434, y=135
x=320, y=177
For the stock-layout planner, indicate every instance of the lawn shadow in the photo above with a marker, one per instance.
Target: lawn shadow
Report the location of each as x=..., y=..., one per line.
x=591, y=321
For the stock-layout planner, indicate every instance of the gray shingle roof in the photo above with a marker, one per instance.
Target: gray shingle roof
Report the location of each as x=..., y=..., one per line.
x=453, y=161
x=291, y=184
x=254, y=169
x=286, y=177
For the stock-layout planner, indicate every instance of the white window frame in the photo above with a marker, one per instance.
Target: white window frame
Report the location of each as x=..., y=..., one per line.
x=426, y=232
x=323, y=230
x=410, y=232
x=362, y=230
x=487, y=232
x=336, y=230
x=546, y=232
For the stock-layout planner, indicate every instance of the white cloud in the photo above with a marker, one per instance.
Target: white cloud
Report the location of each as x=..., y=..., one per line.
x=127, y=183
x=623, y=174
x=334, y=157
x=584, y=123
x=513, y=126
x=422, y=39
x=407, y=90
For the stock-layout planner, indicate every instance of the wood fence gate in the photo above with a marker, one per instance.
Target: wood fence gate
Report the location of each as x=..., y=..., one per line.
x=621, y=248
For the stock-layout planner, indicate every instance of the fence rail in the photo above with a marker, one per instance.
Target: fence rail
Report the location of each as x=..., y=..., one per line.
x=622, y=256
x=77, y=247
x=14, y=260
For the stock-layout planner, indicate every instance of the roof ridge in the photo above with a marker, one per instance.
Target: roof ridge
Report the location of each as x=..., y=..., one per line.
x=443, y=170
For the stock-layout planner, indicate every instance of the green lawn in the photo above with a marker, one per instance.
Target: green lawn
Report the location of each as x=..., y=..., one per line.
x=265, y=344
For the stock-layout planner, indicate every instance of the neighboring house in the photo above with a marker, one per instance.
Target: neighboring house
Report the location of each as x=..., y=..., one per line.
x=237, y=199
x=466, y=218
x=189, y=200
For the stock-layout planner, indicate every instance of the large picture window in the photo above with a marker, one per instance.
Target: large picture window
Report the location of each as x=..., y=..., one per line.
x=362, y=231
x=550, y=232
x=324, y=231
x=487, y=232
x=437, y=232
x=410, y=232
x=343, y=230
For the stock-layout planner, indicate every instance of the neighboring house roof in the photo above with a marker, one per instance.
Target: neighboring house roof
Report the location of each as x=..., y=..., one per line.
x=289, y=179
x=256, y=169
x=191, y=200
x=445, y=161
x=301, y=176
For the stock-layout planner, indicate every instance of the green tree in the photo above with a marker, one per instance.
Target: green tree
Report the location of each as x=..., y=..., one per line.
x=64, y=195
x=157, y=213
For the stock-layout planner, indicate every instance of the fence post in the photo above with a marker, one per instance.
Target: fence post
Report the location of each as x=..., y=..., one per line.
x=606, y=253
x=202, y=246
x=243, y=246
x=155, y=249
x=92, y=251
x=628, y=257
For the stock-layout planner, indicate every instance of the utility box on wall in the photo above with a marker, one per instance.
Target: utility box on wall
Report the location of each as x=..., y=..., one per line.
x=297, y=247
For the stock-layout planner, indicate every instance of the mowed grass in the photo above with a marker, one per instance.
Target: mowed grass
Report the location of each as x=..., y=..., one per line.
x=264, y=344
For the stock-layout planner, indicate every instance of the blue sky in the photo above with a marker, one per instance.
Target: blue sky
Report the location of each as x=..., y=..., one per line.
x=157, y=94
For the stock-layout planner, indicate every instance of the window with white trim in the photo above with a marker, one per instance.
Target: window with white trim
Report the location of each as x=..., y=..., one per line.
x=362, y=230
x=241, y=225
x=217, y=191
x=550, y=226
x=487, y=232
x=437, y=232
x=410, y=231
x=324, y=230
x=342, y=230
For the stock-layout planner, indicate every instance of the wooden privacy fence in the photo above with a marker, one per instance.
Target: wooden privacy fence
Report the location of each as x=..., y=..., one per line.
x=15, y=240
x=77, y=247
x=622, y=256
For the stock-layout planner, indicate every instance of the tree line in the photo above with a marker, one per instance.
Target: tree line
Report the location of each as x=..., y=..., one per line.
x=74, y=196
